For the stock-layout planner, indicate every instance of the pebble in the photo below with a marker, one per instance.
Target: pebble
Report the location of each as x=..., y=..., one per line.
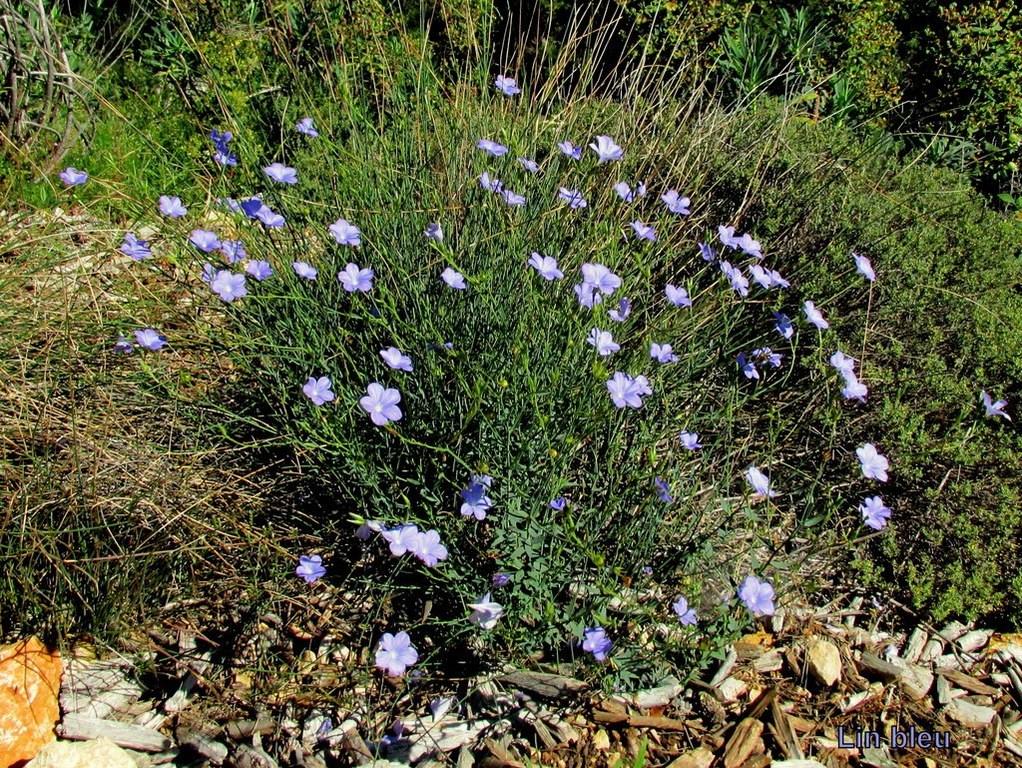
x=974, y=640
x=914, y=645
x=825, y=662
x=971, y=715
x=83, y=754
x=732, y=689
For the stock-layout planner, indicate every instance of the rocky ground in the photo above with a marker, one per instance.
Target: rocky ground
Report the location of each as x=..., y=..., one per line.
x=812, y=688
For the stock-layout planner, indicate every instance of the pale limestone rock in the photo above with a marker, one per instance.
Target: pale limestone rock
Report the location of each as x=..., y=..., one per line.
x=914, y=646
x=732, y=689
x=825, y=662
x=971, y=715
x=974, y=640
x=697, y=758
x=83, y=754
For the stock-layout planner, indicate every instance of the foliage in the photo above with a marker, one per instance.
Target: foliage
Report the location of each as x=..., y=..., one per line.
x=947, y=300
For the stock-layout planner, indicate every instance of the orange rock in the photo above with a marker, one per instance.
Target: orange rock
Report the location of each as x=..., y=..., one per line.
x=29, y=686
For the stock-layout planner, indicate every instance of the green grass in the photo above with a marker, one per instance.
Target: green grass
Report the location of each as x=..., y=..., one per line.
x=158, y=475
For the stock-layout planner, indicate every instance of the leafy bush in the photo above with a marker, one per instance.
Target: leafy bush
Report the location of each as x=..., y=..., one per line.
x=942, y=322
x=522, y=398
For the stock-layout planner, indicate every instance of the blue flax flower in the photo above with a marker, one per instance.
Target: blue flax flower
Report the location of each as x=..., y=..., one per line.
x=874, y=464
x=454, y=279
x=381, y=404
x=546, y=266
x=676, y=203
x=72, y=177
x=874, y=513
x=749, y=246
x=747, y=366
x=318, y=390
x=626, y=390
x=573, y=198
x=485, y=612
x=606, y=149
x=727, y=236
x=171, y=206
x=596, y=642
x=757, y=595
x=814, y=316
x=259, y=269
x=354, y=278
x=783, y=325
x=396, y=653
x=490, y=185
x=570, y=150
x=662, y=353
x=204, y=240
x=122, y=346
x=304, y=269
x=760, y=482
x=402, y=539
x=623, y=310
x=512, y=198
x=310, y=568
x=475, y=497
x=434, y=231
x=994, y=409
x=228, y=285
x=305, y=125
x=529, y=165
x=507, y=85
x=690, y=440
x=686, y=615
x=603, y=341
x=150, y=339
x=644, y=231
x=492, y=147
x=345, y=233
x=396, y=360
x=233, y=250
x=135, y=248
x=428, y=549
x=628, y=194
x=678, y=296
x=283, y=174
x=766, y=356
x=864, y=267
x=663, y=490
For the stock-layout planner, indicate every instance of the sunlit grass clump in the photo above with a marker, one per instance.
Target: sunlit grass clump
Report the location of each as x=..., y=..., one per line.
x=547, y=382
x=578, y=376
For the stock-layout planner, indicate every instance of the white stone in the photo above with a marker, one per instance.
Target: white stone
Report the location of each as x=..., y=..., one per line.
x=971, y=715
x=732, y=689
x=974, y=640
x=771, y=661
x=931, y=650
x=82, y=754
x=914, y=646
x=916, y=681
x=1013, y=650
x=725, y=666
x=825, y=662
x=82, y=728
x=947, y=661
x=661, y=696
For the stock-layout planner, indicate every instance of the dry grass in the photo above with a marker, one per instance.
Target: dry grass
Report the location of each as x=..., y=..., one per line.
x=113, y=503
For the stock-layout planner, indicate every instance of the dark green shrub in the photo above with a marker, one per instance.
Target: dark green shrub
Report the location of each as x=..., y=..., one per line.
x=943, y=321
